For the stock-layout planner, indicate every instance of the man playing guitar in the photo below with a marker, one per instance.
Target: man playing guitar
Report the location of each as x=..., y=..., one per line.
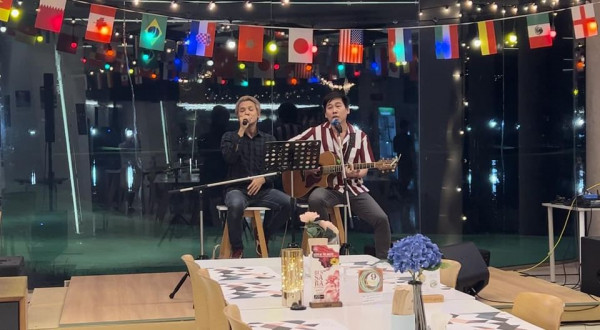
x=356, y=149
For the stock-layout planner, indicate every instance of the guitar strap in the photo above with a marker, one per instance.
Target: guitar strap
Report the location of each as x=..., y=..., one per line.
x=351, y=142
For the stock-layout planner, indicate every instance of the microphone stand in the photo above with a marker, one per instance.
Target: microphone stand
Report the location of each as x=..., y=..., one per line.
x=200, y=188
x=345, y=247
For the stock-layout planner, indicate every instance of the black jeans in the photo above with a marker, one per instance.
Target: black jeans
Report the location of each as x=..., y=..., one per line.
x=364, y=206
x=237, y=200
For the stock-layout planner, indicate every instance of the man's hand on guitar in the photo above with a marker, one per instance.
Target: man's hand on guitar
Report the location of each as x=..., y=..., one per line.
x=313, y=172
x=255, y=185
x=352, y=173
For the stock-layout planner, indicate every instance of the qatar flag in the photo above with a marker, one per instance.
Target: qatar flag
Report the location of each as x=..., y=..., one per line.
x=300, y=46
x=50, y=15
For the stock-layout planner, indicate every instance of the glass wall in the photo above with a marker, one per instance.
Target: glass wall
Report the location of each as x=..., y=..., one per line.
x=95, y=137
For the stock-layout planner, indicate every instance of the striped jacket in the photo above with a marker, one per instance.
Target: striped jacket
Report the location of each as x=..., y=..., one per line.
x=359, y=152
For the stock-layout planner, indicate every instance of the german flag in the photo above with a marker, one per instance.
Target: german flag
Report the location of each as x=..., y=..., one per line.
x=487, y=36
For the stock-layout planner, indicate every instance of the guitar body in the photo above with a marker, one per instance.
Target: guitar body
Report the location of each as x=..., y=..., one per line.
x=304, y=182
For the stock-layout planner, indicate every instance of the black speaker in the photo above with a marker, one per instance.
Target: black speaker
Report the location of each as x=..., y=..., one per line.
x=590, y=265
x=12, y=266
x=48, y=101
x=474, y=274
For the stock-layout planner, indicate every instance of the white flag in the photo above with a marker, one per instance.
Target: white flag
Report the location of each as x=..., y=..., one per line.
x=300, y=46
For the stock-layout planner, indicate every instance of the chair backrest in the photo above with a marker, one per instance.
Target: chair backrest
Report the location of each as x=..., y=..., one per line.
x=213, y=303
x=540, y=309
x=449, y=272
x=208, y=298
x=232, y=312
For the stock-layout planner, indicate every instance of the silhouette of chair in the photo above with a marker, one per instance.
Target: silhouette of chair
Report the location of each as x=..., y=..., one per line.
x=232, y=312
x=540, y=309
x=252, y=212
x=207, y=296
x=449, y=272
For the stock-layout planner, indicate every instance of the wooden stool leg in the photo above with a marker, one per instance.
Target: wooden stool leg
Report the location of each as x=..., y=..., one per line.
x=339, y=223
x=225, y=250
x=257, y=222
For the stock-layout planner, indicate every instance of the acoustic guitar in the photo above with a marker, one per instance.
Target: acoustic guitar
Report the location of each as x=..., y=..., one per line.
x=305, y=181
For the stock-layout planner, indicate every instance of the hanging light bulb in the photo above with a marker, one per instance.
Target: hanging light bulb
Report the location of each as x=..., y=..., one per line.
x=494, y=6
x=248, y=4
x=272, y=47
x=230, y=44
x=174, y=4
x=285, y=2
x=212, y=5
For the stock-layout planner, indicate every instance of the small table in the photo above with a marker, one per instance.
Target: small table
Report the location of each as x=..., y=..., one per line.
x=581, y=230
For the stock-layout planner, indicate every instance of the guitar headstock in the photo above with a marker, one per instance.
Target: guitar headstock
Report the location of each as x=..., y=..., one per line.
x=387, y=165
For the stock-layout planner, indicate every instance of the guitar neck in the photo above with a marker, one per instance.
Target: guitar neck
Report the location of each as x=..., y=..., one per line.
x=328, y=169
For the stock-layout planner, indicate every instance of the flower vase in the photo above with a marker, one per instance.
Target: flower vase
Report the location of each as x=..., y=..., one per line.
x=420, y=322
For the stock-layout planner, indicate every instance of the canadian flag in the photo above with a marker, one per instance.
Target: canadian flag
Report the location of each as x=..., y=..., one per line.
x=100, y=23
x=584, y=21
x=300, y=46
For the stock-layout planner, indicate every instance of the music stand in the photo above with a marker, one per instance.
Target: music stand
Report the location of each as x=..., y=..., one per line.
x=292, y=156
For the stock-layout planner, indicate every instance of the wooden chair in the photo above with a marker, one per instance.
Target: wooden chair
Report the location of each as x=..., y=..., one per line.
x=540, y=309
x=192, y=266
x=335, y=216
x=208, y=302
x=232, y=312
x=252, y=212
x=449, y=272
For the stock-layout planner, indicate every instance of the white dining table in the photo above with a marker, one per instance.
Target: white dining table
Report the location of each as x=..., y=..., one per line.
x=255, y=286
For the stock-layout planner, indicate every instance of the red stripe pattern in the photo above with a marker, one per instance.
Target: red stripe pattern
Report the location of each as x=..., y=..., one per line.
x=359, y=152
x=351, y=46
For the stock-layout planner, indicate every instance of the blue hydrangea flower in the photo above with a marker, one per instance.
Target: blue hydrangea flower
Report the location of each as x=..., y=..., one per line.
x=414, y=254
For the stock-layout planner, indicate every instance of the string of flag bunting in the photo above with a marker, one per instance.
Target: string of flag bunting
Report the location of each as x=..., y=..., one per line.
x=301, y=46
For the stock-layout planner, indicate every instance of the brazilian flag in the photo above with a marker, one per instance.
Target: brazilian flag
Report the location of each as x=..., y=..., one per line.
x=154, y=29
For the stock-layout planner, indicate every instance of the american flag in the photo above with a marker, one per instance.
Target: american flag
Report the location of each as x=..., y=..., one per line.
x=302, y=71
x=351, y=46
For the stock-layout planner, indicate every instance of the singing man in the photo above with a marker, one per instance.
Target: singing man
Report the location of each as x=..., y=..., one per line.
x=355, y=148
x=244, y=152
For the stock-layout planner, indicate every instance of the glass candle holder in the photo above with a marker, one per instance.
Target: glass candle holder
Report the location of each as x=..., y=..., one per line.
x=292, y=272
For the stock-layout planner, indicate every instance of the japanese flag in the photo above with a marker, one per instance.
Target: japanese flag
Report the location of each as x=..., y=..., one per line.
x=300, y=46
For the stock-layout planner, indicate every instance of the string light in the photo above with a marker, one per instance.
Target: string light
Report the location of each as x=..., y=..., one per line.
x=345, y=87
x=248, y=4
x=230, y=44
x=212, y=5
x=285, y=2
x=174, y=4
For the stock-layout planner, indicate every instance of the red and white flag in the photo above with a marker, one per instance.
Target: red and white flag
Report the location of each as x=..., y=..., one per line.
x=100, y=23
x=584, y=21
x=300, y=46
x=351, y=46
x=303, y=70
x=250, y=46
x=50, y=15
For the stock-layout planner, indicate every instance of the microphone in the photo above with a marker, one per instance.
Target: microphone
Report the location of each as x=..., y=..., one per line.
x=245, y=122
x=337, y=125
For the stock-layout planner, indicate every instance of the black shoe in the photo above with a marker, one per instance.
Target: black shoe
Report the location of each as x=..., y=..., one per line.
x=257, y=243
x=237, y=254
